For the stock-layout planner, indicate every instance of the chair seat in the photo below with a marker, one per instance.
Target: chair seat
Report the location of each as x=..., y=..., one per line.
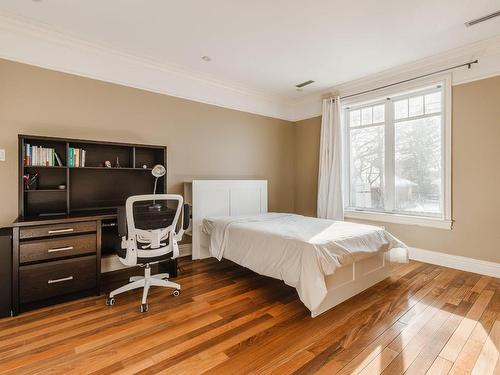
x=122, y=253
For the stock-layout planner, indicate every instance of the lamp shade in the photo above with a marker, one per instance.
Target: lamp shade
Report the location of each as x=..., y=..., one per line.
x=158, y=171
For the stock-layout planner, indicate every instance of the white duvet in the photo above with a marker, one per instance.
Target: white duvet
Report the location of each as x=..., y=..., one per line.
x=299, y=250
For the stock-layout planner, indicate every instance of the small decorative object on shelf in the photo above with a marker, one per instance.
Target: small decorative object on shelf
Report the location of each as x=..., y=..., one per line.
x=117, y=164
x=62, y=187
x=30, y=182
x=107, y=164
x=144, y=166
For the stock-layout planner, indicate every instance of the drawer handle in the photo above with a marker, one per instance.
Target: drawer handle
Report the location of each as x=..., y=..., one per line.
x=60, y=280
x=54, y=250
x=61, y=230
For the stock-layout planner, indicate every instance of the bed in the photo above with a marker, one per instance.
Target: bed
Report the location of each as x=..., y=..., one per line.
x=326, y=261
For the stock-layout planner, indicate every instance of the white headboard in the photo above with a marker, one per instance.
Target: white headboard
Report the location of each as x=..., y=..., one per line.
x=223, y=198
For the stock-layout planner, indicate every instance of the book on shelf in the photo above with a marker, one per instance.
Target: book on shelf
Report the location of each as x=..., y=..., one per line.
x=70, y=157
x=58, y=159
x=27, y=155
x=76, y=157
x=37, y=156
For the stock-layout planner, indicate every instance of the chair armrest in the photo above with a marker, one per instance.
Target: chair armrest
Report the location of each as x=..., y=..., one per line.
x=121, y=221
x=186, y=217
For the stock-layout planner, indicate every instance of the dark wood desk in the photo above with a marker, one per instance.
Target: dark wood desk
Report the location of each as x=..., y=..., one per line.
x=59, y=258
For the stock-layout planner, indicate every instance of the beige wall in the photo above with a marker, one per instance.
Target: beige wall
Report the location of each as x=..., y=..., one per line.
x=203, y=141
x=307, y=134
x=210, y=142
x=476, y=176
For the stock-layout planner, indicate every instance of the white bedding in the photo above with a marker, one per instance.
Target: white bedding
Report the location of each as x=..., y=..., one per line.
x=299, y=250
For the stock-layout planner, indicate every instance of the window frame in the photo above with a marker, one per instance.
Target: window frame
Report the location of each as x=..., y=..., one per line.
x=444, y=220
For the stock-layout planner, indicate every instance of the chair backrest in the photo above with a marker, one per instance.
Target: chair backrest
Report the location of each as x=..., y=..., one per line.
x=152, y=237
x=154, y=240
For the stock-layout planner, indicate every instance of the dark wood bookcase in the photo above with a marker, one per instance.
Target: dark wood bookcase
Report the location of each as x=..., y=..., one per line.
x=90, y=188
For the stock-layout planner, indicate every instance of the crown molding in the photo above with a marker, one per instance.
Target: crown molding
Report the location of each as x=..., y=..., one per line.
x=486, y=51
x=35, y=44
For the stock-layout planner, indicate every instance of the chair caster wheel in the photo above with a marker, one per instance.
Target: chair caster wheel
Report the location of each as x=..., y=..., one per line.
x=110, y=301
x=144, y=308
x=176, y=293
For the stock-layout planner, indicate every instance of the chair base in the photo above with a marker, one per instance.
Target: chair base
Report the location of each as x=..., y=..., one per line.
x=145, y=282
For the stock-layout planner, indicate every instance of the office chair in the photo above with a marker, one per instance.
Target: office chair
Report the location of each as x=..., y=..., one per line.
x=144, y=247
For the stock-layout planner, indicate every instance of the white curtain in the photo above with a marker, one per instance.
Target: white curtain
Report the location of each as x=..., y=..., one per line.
x=330, y=199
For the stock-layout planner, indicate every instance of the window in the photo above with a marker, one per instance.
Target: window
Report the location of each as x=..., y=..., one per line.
x=396, y=157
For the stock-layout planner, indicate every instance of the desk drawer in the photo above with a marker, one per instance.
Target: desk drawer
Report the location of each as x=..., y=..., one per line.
x=57, y=229
x=54, y=248
x=57, y=278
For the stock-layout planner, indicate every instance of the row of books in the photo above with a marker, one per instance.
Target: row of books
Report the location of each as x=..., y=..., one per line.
x=38, y=156
x=41, y=156
x=76, y=157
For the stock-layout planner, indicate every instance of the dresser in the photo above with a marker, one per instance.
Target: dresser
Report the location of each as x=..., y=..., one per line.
x=54, y=260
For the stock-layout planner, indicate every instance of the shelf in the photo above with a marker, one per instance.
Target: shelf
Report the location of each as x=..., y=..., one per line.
x=45, y=190
x=90, y=187
x=114, y=169
x=44, y=166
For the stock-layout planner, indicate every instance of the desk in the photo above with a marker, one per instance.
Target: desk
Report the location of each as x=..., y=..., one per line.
x=59, y=258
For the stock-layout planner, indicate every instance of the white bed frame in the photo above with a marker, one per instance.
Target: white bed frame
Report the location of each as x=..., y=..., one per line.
x=248, y=197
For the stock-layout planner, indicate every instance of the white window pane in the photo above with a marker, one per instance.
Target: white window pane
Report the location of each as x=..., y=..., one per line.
x=378, y=113
x=355, y=118
x=366, y=116
x=433, y=103
x=401, y=109
x=418, y=166
x=416, y=106
x=367, y=167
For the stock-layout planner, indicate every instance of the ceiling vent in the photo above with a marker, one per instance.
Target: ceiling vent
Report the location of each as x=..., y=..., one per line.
x=482, y=19
x=303, y=84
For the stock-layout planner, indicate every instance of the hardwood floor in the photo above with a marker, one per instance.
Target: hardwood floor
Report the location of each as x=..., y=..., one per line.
x=228, y=320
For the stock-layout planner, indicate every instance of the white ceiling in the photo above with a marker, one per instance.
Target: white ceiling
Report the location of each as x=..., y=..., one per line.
x=268, y=46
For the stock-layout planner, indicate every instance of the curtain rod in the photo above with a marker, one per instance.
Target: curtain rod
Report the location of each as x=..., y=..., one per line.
x=468, y=65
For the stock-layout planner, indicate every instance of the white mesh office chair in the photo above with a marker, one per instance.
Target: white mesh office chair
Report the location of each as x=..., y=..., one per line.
x=147, y=246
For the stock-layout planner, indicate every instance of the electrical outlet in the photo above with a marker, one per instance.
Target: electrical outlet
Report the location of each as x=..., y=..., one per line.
x=2, y=155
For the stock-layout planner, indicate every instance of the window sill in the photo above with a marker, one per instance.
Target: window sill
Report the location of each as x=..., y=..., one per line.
x=400, y=219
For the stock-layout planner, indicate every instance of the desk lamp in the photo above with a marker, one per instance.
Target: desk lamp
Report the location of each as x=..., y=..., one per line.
x=157, y=171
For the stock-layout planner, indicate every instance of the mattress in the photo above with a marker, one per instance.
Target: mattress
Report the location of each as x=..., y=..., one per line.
x=297, y=249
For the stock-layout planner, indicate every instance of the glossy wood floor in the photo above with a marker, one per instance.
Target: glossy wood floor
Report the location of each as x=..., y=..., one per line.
x=423, y=319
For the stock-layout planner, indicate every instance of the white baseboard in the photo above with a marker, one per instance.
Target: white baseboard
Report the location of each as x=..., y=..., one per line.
x=456, y=261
